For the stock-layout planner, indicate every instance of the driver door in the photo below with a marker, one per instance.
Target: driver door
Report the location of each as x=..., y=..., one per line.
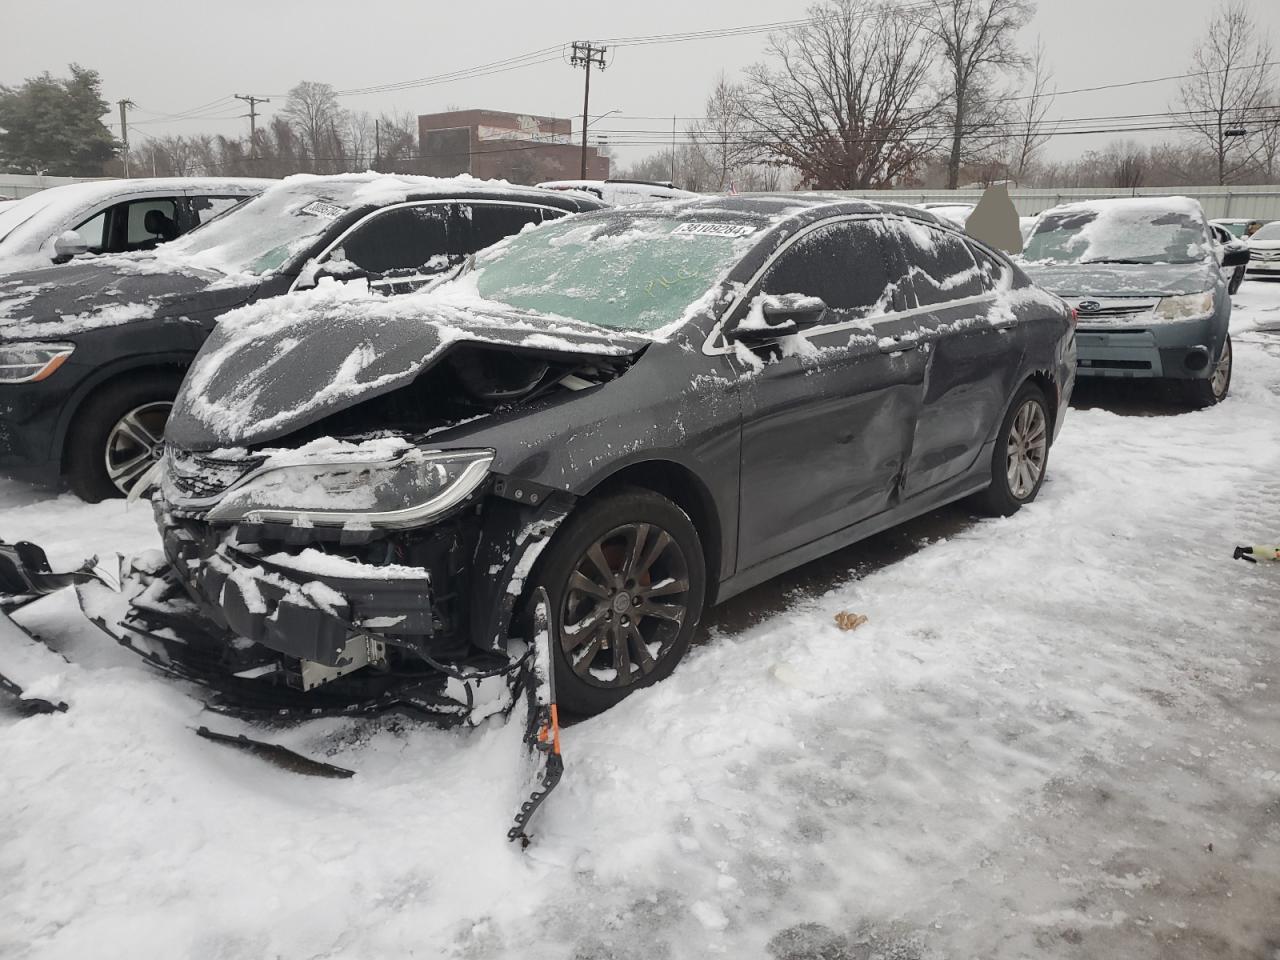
x=828, y=418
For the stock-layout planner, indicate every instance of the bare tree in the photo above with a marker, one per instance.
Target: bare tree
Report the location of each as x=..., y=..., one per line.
x=312, y=109
x=848, y=104
x=977, y=39
x=724, y=136
x=1029, y=132
x=1266, y=143
x=398, y=142
x=1232, y=76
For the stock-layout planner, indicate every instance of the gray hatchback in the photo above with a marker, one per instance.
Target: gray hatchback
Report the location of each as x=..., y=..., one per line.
x=1144, y=276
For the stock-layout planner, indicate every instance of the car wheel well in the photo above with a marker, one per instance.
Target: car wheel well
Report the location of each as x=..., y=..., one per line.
x=682, y=487
x=174, y=371
x=1049, y=387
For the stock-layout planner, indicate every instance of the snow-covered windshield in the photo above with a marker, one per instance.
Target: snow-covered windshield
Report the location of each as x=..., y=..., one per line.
x=14, y=215
x=266, y=233
x=1147, y=231
x=1270, y=231
x=627, y=271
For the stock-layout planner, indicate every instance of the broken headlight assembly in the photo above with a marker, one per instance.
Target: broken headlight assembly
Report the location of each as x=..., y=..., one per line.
x=393, y=492
x=32, y=362
x=1190, y=307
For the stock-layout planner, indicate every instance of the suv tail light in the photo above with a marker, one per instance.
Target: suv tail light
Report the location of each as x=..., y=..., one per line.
x=1075, y=317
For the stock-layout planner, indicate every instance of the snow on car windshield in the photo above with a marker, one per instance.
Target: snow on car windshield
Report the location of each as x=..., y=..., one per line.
x=269, y=231
x=626, y=271
x=1159, y=230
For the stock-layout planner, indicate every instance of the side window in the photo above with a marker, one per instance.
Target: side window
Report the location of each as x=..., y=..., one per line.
x=204, y=209
x=405, y=238
x=843, y=263
x=489, y=224
x=941, y=267
x=149, y=222
x=92, y=232
x=993, y=272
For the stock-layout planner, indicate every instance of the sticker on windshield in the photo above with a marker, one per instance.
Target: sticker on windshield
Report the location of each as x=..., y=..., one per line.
x=714, y=229
x=321, y=208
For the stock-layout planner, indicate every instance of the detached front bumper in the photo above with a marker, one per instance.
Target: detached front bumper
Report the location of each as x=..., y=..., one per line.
x=1174, y=350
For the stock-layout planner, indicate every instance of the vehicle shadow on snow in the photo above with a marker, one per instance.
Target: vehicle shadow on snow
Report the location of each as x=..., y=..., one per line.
x=1129, y=398
x=818, y=576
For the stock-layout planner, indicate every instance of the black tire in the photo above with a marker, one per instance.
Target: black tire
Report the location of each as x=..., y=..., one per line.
x=1003, y=498
x=1213, y=389
x=95, y=428
x=653, y=644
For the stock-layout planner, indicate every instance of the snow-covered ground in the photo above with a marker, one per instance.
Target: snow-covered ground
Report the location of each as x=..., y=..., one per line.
x=1057, y=735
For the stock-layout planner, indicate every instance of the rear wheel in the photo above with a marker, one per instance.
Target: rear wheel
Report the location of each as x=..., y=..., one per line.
x=117, y=436
x=627, y=582
x=1021, y=455
x=1214, y=389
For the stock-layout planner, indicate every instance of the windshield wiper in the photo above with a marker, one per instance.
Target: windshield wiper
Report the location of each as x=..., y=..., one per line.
x=1146, y=263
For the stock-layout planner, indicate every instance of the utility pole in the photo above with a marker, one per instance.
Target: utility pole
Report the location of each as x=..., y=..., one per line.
x=673, y=151
x=377, y=144
x=253, y=102
x=124, y=106
x=586, y=55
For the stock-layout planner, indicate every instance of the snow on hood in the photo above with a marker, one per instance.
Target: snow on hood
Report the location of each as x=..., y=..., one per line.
x=1123, y=279
x=275, y=366
x=63, y=301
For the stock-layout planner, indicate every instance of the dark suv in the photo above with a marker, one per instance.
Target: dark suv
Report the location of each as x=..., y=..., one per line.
x=92, y=353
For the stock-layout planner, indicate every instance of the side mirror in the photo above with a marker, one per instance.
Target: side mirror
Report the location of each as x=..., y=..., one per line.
x=69, y=245
x=1235, y=256
x=773, y=316
x=338, y=269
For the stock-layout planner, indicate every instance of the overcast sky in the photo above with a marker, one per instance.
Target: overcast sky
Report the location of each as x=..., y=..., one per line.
x=170, y=56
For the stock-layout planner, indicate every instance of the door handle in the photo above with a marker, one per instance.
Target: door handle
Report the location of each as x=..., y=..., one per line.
x=898, y=344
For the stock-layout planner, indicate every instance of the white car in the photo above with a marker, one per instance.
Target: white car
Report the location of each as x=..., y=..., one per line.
x=112, y=216
x=623, y=193
x=1264, y=250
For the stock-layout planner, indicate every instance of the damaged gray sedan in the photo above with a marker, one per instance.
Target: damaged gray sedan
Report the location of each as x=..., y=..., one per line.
x=638, y=412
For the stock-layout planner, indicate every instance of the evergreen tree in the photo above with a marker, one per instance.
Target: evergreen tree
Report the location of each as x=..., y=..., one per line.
x=53, y=125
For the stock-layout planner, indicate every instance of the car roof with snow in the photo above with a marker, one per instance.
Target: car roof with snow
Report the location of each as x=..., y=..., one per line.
x=30, y=223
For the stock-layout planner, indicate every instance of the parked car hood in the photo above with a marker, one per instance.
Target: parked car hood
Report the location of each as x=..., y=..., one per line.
x=279, y=365
x=1123, y=279
x=63, y=301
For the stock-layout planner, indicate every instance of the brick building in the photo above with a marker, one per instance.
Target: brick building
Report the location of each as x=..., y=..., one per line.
x=491, y=144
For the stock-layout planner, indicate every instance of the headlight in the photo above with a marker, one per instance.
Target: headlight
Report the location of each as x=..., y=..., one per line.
x=389, y=492
x=30, y=362
x=1185, y=308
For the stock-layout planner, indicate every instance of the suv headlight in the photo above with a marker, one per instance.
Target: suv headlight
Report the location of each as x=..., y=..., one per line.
x=400, y=491
x=31, y=362
x=1190, y=307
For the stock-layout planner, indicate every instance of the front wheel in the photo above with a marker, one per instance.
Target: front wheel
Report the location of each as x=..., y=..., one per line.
x=117, y=436
x=1021, y=455
x=627, y=582
x=1211, y=391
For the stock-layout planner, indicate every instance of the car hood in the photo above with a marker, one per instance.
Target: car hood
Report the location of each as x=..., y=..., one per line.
x=1123, y=279
x=282, y=364
x=62, y=301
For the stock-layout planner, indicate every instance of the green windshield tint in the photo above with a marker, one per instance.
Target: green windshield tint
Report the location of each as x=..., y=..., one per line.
x=629, y=272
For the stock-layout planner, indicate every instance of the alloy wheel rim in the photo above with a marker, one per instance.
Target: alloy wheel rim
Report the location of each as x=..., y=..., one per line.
x=1028, y=446
x=624, y=605
x=1222, y=371
x=135, y=443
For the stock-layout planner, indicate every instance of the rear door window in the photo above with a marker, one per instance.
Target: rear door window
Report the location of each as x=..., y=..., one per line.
x=993, y=272
x=204, y=209
x=940, y=264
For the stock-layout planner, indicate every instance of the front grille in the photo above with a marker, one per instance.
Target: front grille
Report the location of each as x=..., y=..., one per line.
x=199, y=477
x=1265, y=255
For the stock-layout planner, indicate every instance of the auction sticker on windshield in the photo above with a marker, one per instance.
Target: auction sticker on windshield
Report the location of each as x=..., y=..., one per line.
x=320, y=208
x=714, y=230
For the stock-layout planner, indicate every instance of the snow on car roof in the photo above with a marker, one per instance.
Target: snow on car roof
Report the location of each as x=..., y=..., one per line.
x=1155, y=205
